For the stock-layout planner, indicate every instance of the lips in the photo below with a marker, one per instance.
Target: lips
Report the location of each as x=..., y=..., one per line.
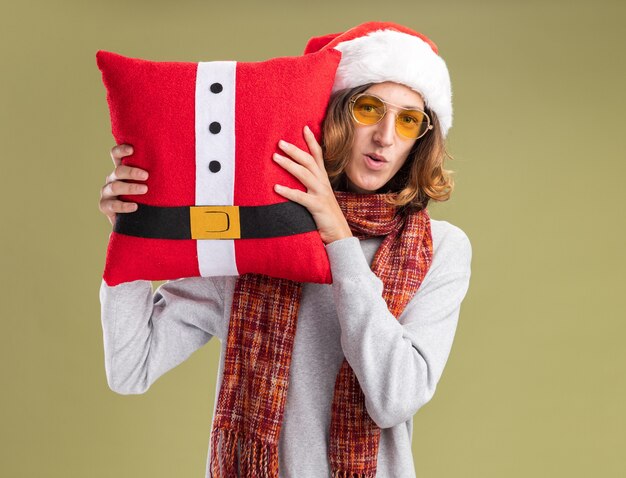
x=375, y=161
x=377, y=157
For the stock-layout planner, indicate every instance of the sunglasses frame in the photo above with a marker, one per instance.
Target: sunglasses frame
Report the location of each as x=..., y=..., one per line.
x=354, y=99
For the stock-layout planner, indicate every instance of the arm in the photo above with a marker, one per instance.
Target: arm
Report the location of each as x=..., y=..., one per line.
x=146, y=335
x=399, y=363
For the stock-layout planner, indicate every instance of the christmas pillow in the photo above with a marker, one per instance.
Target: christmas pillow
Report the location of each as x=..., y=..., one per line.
x=206, y=133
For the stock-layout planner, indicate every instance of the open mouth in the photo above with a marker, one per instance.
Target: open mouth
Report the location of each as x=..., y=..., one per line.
x=374, y=163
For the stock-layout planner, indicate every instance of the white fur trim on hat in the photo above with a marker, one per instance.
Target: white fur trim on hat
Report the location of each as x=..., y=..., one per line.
x=389, y=55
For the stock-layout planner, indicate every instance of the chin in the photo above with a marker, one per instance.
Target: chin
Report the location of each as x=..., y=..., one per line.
x=363, y=187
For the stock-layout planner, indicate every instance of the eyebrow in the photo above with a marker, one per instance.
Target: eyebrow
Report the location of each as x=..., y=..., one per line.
x=405, y=107
x=412, y=107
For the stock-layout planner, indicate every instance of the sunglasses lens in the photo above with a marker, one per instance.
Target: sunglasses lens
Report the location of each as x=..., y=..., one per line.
x=368, y=110
x=412, y=123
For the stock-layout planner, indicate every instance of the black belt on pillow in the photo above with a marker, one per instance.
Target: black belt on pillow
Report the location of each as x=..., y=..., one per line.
x=216, y=222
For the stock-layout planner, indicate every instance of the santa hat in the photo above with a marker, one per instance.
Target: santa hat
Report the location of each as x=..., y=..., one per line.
x=375, y=52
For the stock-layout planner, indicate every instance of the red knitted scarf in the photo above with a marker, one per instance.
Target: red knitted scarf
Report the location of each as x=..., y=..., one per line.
x=249, y=411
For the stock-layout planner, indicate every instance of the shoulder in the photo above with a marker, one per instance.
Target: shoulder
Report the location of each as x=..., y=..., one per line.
x=452, y=249
x=447, y=235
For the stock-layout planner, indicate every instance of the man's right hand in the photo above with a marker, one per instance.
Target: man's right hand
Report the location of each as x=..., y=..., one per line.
x=116, y=184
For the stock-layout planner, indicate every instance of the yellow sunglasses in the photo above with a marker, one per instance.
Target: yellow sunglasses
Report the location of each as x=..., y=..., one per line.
x=369, y=109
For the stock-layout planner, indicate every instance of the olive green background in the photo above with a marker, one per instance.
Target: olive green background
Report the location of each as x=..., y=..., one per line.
x=535, y=383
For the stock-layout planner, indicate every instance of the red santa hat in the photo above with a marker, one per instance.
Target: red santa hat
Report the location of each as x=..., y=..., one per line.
x=375, y=52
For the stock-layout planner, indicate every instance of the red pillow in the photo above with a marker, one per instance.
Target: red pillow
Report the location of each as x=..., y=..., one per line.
x=206, y=133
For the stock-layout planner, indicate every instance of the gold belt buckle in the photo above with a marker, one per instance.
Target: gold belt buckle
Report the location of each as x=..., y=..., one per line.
x=215, y=222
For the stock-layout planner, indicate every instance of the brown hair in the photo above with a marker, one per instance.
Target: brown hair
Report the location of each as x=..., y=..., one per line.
x=420, y=179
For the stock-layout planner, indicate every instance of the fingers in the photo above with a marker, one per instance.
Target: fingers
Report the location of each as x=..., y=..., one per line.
x=294, y=195
x=120, y=151
x=296, y=153
x=117, y=188
x=110, y=207
x=115, y=184
x=310, y=169
x=314, y=162
x=123, y=172
x=304, y=175
x=314, y=146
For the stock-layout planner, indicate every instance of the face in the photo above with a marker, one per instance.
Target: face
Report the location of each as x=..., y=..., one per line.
x=378, y=151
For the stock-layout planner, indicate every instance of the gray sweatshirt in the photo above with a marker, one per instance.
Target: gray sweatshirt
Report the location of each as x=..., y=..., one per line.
x=398, y=363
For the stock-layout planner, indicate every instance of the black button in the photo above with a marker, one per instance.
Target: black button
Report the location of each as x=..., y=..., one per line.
x=215, y=127
x=216, y=88
x=215, y=166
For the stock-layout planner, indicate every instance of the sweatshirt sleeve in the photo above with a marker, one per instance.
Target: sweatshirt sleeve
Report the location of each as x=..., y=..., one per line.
x=398, y=363
x=146, y=334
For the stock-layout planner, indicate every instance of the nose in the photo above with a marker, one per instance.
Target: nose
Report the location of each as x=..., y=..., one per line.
x=386, y=130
